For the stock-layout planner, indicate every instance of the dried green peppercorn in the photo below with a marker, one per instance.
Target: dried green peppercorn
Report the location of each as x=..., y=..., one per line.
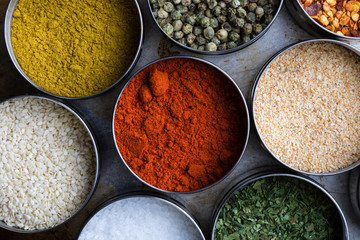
x=214, y=23
x=216, y=41
x=251, y=17
x=235, y=3
x=234, y=36
x=176, y=15
x=182, y=41
x=201, y=48
x=252, y=7
x=197, y=30
x=259, y=12
x=187, y=28
x=162, y=13
x=231, y=45
x=241, y=12
x=247, y=28
x=245, y=38
x=222, y=46
x=178, y=35
x=194, y=45
x=239, y=23
x=185, y=2
x=168, y=28
x=177, y=25
x=200, y=40
x=221, y=18
x=262, y=2
x=191, y=19
x=205, y=22
x=210, y=46
x=182, y=8
x=202, y=7
x=209, y=33
x=168, y=7
x=226, y=26
x=190, y=38
x=258, y=28
x=222, y=4
x=217, y=11
x=208, y=13
x=212, y=3
x=222, y=34
x=244, y=3
x=161, y=2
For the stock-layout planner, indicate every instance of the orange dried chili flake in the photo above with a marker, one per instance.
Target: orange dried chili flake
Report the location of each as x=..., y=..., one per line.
x=339, y=16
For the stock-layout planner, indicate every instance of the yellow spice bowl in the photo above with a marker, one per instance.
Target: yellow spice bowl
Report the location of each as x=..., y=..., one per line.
x=71, y=80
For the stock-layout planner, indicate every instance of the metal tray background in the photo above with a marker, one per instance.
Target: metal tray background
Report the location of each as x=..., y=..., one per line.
x=115, y=178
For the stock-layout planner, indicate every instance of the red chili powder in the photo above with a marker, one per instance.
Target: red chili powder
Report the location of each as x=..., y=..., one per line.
x=180, y=125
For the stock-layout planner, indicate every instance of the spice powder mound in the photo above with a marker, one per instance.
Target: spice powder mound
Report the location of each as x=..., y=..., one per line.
x=307, y=107
x=75, y=48
x=180, y=125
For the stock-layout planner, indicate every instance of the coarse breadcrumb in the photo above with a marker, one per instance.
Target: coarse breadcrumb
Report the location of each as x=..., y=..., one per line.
x=307, y=107
x=47, y=163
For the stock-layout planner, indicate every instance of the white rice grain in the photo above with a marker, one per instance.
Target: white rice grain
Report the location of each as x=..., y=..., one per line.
x=43, y=150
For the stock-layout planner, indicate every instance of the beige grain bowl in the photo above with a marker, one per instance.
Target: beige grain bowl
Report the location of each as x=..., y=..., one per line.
x=49, y=164
x=306, y=107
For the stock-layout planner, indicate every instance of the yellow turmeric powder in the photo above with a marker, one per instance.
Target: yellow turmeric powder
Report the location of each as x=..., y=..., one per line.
x=75, y=48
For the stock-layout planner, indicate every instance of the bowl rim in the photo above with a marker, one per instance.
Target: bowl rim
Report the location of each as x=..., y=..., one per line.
x=244, y=103
x=90, y=131
x=9, y=46
x=253, y=96
x=218, y=52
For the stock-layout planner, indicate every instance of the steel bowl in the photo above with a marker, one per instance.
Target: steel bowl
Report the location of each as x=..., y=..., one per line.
x=7, y=32
x=171, y=202
x=261, y=174
x=244, y=110
x=252, y=100
x=354, y=191
x=310, y=25
x=97, y=170
x=253, y=40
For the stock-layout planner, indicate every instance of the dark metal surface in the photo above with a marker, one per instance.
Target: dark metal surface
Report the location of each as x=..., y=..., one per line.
x=115, y=178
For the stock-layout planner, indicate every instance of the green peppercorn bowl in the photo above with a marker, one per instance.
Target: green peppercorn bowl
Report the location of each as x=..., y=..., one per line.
x=214, y=27
x=253, y=180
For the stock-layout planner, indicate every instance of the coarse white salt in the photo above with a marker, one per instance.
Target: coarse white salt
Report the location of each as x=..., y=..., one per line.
x=307, y=111
x=36, y=185
x=140, y=218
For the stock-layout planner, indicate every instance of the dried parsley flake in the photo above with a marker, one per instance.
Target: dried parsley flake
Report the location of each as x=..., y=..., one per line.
x=278, y=208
